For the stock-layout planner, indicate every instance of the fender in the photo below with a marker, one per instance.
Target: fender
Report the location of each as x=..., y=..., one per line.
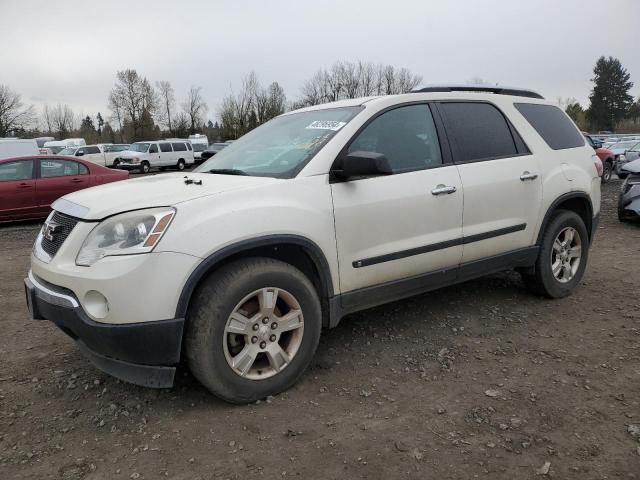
x=554, y=206
x=310, y=247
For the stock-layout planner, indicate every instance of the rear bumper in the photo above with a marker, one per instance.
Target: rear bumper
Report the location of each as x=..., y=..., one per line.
x=141, y=353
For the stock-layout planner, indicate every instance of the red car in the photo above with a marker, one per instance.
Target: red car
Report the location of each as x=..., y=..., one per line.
x=605, y=155
x=29, y=185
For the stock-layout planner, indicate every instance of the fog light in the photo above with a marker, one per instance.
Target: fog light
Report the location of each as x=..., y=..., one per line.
x=96, y=304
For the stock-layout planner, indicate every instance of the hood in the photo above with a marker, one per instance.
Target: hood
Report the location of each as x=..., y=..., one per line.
x=167, y=189
x=632, y=167
x=129, y=154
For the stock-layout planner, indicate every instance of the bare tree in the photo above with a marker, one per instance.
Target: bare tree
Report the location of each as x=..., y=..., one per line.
x=251, y=106
x=133, y=100
x=14, y=115
x=195, y=107
x=167, y=99
x=351, y=80
x=61, y=119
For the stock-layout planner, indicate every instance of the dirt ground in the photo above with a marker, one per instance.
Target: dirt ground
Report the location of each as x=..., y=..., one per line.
x=480, y=380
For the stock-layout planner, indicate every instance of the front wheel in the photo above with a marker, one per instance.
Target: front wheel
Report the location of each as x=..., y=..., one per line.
x=145, y=167
x=562, y=258
x=116, y=164
x=252, y=329
x=622, y=175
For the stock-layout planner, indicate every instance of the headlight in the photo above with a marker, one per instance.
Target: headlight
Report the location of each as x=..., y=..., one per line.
x=125, y=234
x=622, y=158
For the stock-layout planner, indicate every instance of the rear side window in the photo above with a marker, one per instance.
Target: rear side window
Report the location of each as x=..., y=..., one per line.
x=179, y=147
x=552, y=124
x=165, y=147
x=61, y=168
x=479, y=131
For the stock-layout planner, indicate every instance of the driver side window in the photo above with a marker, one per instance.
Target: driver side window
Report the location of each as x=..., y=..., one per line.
x=406, y=136
x=153, y=148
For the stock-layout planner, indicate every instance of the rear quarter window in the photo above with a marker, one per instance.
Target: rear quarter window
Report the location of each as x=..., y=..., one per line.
x=179, y=147
x=552, y=124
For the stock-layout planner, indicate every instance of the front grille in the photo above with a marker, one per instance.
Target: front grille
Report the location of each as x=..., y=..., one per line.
x=66, y=225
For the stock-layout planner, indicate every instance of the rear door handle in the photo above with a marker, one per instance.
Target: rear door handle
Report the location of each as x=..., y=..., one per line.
x=443, y=190
x=24, y=185
x=528, y=176
x=76, y=180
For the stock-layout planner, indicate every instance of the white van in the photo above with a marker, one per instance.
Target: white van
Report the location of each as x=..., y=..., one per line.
x=144, y=156
x=17, y=147
x=54, y=146
x=199, y=142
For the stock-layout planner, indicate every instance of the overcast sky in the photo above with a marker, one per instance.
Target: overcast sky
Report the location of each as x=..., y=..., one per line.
x=69, y=51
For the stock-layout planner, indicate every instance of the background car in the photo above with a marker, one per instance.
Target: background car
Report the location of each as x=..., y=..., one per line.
x=211, y=151
x=629, y=198
x=111, y=152
x=29, y=185
x=605, y=155
x=91, y=153
x=626, y=152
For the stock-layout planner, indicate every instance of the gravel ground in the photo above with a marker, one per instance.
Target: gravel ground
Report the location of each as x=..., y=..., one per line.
x=479, y=380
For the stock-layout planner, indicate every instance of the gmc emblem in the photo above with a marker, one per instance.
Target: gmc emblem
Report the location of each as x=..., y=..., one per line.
x=50, y=229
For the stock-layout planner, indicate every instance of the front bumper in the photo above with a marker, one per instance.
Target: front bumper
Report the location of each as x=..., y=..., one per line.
x=141, y=353
x=128, y=166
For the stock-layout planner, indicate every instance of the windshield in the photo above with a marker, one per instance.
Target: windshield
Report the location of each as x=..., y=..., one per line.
x=139, y=147
x=623, y=144
x=55, y=150
x=282, y=146
x=68, y=151
x=199, y=147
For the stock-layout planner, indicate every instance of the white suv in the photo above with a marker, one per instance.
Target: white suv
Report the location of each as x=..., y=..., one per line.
x=323, y=211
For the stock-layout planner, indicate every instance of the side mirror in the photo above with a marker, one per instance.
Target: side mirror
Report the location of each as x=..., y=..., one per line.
x=362, y=164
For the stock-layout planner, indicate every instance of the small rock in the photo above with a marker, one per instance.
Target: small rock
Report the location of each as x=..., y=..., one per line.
x=365, y=393
x=491, y=445
x=504, y=426
x=544, y=469
x=442, y=410
x=634, y=430
x=492, y=393
x=401, y=446
x=232, y=443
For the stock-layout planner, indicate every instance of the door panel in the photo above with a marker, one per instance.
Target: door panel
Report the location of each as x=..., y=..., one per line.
x=499, y=205
x=501, y=179
x=386, y=222
x=17, y=189
x=57, y=178
x=405, y=224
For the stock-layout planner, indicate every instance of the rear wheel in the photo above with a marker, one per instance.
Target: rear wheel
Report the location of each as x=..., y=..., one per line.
x=180, y=165
x=145, y=167
x=562, y=258
x=252, y=329
x=607, y=172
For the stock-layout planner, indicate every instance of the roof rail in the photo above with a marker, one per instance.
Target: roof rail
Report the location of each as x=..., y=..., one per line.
x=519, y=92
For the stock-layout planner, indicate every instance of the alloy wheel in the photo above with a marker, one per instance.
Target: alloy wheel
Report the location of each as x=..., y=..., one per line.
x=263, y=333
x=566, y=254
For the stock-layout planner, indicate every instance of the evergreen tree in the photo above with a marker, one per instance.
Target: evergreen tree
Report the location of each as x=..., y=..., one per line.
x=610, y=99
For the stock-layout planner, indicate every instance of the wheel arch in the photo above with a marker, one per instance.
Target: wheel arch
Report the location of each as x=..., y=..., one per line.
x=578, y=202
x=296, y=250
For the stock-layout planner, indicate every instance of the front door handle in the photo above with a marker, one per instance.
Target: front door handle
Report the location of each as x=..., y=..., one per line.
x=23, y=185
x=528, y=176
x=443, y=190
x=76, y=180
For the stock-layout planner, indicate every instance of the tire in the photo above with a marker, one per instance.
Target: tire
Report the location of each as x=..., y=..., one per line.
x=207, y=342
x=116, y=164
x=180, y=165
x=607, y=172
x=622, y=176
x=145, y=167
x=543, y=281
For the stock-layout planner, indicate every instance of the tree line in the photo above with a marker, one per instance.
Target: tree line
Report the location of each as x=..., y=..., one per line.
x=140, y=110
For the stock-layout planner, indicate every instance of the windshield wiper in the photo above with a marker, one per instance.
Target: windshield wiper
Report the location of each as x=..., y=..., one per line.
x=228, y=171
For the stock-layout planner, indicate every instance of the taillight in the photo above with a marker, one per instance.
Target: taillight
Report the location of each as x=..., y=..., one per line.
x=598, y=164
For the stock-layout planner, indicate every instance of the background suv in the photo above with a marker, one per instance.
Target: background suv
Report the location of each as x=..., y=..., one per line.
x=320, y=212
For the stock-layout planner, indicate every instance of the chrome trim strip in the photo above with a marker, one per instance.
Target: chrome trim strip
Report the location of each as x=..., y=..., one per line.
x=69, y=208
x=52, y=296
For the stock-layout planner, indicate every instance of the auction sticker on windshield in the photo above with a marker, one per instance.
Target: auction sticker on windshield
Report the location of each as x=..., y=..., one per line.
x=327, y=125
